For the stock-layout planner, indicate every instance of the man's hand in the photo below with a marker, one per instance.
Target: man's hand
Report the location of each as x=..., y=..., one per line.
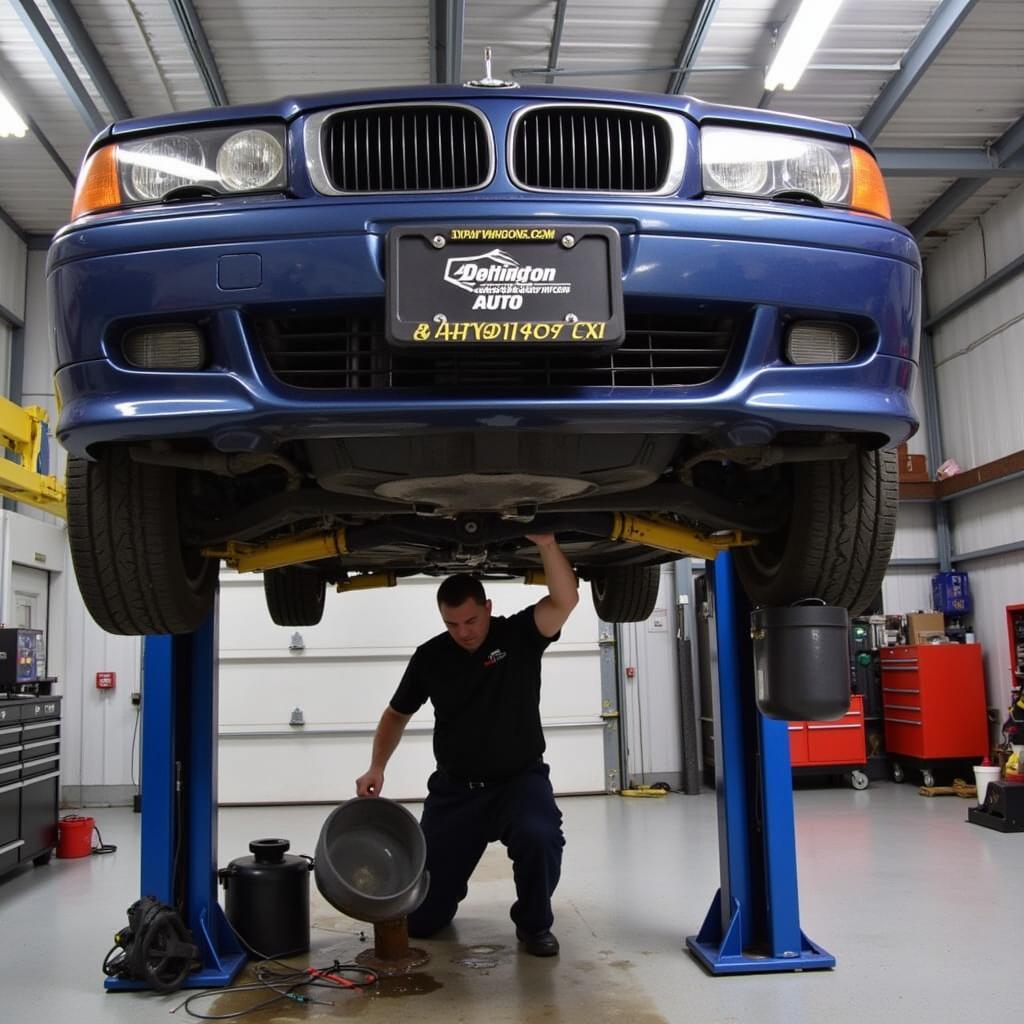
x=370, y=783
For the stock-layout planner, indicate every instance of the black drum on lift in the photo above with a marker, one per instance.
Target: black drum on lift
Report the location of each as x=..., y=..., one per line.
x=802, y=661
x=266, y=898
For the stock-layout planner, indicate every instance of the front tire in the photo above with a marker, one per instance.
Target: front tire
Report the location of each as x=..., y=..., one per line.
x=838, y=540
x=295, y=596
x=135, y=575
x=626, y=594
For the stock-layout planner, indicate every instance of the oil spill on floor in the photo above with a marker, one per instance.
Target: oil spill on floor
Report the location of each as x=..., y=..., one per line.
x=465, y=982
x=404, y=985
x=479, y=958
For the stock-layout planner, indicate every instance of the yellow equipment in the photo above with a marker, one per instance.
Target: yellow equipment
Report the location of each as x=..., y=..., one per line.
x=22, y=431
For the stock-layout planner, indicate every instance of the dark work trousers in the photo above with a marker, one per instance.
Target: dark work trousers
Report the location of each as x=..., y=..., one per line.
x=458, y=823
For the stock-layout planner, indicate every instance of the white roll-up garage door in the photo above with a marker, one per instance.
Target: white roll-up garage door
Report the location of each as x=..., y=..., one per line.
x=340, y=674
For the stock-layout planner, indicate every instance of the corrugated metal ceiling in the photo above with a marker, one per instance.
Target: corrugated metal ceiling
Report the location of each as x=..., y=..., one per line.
x=968, y=97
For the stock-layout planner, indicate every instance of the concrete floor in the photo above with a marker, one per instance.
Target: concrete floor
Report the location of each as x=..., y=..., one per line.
x=920, y=909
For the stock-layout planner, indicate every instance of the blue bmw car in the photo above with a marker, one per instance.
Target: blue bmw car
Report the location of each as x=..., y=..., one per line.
x=350, y=337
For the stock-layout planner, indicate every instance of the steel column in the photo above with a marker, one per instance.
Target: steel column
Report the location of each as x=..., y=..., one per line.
x=753, y=925
x=179, y=797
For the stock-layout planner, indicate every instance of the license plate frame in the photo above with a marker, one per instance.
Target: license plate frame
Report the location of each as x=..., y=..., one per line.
x=551, y=285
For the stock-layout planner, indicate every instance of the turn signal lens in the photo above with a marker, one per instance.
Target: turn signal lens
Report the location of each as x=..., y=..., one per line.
x=869, y=191
x=98, y=187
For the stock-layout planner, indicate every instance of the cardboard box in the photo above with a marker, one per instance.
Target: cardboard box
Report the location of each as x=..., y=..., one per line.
x=921, y=623
x=912, y=468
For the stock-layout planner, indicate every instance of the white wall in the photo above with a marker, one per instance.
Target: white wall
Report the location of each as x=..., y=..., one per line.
x=979, y=356
x=12, y=272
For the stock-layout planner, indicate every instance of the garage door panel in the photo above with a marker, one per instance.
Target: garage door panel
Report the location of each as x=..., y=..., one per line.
x=343, y=677
x=315, y=769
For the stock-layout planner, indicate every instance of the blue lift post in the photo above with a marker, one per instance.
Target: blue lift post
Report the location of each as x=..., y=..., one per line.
x=754, y=921
x=179, y=797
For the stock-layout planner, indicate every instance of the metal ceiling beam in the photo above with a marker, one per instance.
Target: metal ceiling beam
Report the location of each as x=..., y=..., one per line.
x=447, y=19
x=50, y=48
x=897, y=162
x=933, y=37
x=456, y=14
x=691, y=46
x=85, y=49
x=199, y=46
x=1005, y=149
x=556, y=38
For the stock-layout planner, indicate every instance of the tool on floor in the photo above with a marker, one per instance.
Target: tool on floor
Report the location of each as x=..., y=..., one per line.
x=654, y=789
x=959, y=788
x=369, y=864
x=156, y=948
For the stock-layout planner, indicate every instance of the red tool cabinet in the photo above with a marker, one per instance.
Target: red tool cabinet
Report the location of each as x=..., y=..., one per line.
x=838, y=744
x=933, y=703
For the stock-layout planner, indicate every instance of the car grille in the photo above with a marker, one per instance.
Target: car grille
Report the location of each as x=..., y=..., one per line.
x=350, y=352
x=592, y=149
x=415, y=148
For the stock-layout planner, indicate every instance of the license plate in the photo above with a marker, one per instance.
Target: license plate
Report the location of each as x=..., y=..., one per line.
x=520, y=284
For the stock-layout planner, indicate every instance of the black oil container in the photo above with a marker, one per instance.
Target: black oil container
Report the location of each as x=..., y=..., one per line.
x=801, y=661
x=266, y=898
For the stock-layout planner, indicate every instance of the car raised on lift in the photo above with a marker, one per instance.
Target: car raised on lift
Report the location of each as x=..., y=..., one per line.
x=349, y=337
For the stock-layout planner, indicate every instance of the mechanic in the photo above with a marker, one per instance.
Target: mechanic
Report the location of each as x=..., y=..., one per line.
x=483, y=678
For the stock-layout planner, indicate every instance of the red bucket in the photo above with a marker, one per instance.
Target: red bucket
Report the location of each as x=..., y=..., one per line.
x=74, y=836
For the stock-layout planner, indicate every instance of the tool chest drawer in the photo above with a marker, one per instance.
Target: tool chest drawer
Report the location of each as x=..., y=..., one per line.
x=840, y=742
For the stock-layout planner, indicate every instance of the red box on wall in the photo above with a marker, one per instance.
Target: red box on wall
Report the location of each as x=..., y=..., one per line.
x=106, y=680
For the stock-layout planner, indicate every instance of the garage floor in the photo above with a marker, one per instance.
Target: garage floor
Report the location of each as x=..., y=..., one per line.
x=920, y=909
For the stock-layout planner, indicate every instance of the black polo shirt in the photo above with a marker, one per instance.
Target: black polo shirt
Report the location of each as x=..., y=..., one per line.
x=486, y=704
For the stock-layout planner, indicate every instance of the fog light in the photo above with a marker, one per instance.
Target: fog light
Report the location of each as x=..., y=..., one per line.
x=178, y=347
x=812, y=342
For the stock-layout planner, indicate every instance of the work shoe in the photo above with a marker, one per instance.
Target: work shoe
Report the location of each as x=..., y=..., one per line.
x=539, y=943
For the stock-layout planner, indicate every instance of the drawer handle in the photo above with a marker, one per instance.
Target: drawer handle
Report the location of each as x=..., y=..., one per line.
x=902, y=707
x=9, y=730
x=893, y=689
x=40, y=778
x=51, y=724
x=899, y=661
x=904, y=721
x=11, y=846
x=10, y=768
x=40, y=760
x=888, y=667
x=819, y=728
x=52, y=742
x=795, y=728
x=12, y=786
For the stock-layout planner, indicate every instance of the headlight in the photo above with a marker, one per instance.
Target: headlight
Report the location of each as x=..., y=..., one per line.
x=249, y=160
x=185, y=164
x=768, y=164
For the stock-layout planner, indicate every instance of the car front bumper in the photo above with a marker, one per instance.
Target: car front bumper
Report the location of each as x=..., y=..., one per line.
x=312, y=258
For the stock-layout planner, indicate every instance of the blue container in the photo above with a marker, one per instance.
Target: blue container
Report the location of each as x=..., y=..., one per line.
x=951, y=593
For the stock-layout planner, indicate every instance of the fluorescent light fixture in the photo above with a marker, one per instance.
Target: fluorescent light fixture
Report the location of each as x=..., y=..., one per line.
x=802, y=36
x=10, y=122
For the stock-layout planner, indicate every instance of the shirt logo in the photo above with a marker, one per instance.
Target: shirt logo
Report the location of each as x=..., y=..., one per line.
x=494, y=657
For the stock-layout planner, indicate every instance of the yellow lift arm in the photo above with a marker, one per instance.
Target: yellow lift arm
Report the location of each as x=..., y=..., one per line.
x=22, y=431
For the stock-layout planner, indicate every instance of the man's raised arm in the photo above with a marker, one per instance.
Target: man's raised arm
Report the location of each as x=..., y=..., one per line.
x=551, y=612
